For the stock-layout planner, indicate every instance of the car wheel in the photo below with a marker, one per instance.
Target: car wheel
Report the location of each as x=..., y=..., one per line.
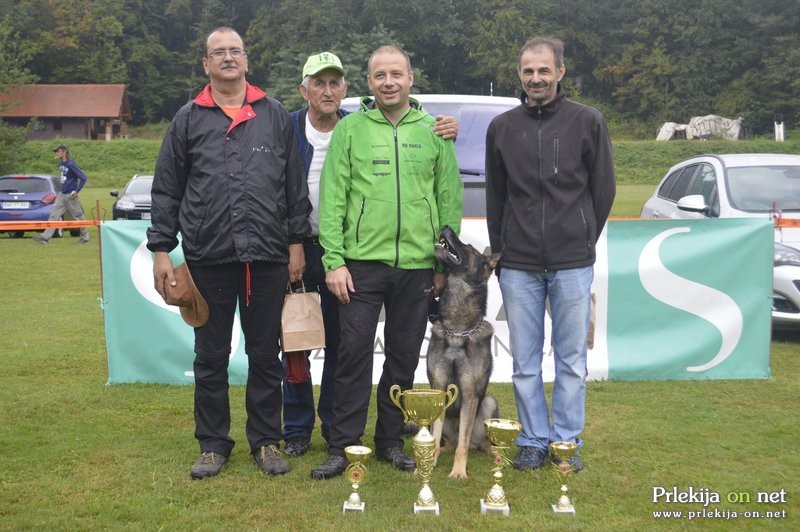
x=74, y=232
x=16, y=234
x=58, y=233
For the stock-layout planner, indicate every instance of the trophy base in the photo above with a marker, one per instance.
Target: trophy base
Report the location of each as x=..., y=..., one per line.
x=556, y=509
x=348, y=507
x=492, y=508
x=420, y=508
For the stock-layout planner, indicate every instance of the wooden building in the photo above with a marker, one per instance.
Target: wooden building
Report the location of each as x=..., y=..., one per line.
x=84, y=111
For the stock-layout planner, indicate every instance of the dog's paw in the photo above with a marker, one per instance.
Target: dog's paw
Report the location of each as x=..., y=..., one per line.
x=458, y=473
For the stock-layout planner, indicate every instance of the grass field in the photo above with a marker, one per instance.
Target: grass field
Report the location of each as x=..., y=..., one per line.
x=79, y=455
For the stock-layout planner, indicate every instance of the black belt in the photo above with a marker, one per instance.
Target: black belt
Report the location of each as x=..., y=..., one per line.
x=312, y=240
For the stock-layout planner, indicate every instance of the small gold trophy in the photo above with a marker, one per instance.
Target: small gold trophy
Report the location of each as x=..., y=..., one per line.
x=502, y=433
x=423, y=406
x=563, y=451
x=356, y=474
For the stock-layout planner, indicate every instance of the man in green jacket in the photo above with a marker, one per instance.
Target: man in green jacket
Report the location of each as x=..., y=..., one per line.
x=388, y=186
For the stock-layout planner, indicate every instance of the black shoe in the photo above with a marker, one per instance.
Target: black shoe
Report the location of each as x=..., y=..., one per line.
x=269, y=459
x=40, y=239
x=333, y=466
x=207, y=465
x=396, y=457
x=529, y=458
x=297, y=446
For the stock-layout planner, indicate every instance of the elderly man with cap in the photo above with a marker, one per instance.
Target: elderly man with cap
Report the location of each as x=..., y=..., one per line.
x=72, y=181
x=323, y=87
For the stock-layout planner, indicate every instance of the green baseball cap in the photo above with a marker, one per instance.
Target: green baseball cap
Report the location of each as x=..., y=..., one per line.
x=318, y=62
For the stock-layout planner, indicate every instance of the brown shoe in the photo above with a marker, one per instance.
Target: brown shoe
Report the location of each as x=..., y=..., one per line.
x=270, y=460
x=207, y=465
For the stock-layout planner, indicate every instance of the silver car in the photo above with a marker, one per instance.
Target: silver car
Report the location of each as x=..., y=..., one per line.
x=751, y=185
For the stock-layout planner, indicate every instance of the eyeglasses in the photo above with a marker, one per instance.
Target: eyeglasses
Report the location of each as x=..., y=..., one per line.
x=236, y=53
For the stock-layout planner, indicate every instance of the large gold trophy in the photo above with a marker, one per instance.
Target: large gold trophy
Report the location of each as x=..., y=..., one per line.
x=422, y=406
x=502, y=433
x=563, y=451
x=356, y=474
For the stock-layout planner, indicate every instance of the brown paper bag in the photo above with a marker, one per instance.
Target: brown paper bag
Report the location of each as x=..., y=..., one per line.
x=302, y=328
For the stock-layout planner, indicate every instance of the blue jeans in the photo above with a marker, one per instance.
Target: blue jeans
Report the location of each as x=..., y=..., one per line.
x=525, y=294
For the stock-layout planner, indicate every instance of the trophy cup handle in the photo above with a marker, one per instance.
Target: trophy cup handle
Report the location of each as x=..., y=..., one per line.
x=394, y=395
x=451, y=395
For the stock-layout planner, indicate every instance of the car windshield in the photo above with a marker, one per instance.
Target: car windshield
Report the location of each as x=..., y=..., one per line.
x=26, y=185
x=139, y=186
x=765, y=188
x=473, y=120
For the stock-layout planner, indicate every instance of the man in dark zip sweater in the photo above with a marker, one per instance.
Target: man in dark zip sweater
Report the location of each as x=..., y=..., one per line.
x=549, y=188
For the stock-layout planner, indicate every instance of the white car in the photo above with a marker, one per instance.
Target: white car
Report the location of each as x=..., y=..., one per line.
x=752, y=185
x=473, y=114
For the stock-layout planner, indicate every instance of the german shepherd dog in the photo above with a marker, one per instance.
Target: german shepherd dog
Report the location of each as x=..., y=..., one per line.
x=459, y=351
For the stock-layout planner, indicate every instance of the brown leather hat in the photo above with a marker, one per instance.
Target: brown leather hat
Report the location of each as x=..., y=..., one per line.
x=194, y=309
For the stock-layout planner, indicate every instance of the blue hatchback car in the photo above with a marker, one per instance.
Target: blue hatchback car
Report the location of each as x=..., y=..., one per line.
x=27, y=198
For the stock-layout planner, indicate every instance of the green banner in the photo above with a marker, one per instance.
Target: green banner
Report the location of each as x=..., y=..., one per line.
x=689, y=299
x=146, y=339
x=675, y=299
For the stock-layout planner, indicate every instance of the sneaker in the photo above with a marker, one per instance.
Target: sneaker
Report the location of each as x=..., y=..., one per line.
x=396, y=457
x=529, y=458
x=297, y=446
x=333, y=466
x=574, y=462
x=207, y=465
x=269, y=458
x=40, y=239
x=82, y=241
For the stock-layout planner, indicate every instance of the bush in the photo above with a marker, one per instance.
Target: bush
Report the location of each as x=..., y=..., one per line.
x=11, y=140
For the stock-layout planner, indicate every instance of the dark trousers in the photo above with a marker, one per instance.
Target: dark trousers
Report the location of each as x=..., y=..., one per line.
x=224, y=287
x=298, y=397
x=404, y=295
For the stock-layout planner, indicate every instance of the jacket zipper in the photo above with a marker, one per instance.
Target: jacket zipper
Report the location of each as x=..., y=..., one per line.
x=360, y=216
x=430, y=218
x=397, y=181
x=588, y=231
x=555, y=160
x=541, y=188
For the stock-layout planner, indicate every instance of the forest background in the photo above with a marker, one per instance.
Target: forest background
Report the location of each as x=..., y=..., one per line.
x=642, y=62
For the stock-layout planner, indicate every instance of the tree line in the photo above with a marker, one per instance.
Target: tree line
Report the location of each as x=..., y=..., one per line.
x=643, y=62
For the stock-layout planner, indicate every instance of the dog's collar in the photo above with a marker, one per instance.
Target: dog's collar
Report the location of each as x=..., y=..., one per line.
x=469, y=332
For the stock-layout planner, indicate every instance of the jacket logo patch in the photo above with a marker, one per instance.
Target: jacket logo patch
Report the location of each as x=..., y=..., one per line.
x=409, y=145
x=380, y=161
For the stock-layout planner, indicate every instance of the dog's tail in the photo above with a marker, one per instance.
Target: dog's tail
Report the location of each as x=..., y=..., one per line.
x=411, y=428
x=488, y=408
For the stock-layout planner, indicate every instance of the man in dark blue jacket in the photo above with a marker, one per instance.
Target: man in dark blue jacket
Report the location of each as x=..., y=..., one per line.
x=229, y=179
x=72, y=181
